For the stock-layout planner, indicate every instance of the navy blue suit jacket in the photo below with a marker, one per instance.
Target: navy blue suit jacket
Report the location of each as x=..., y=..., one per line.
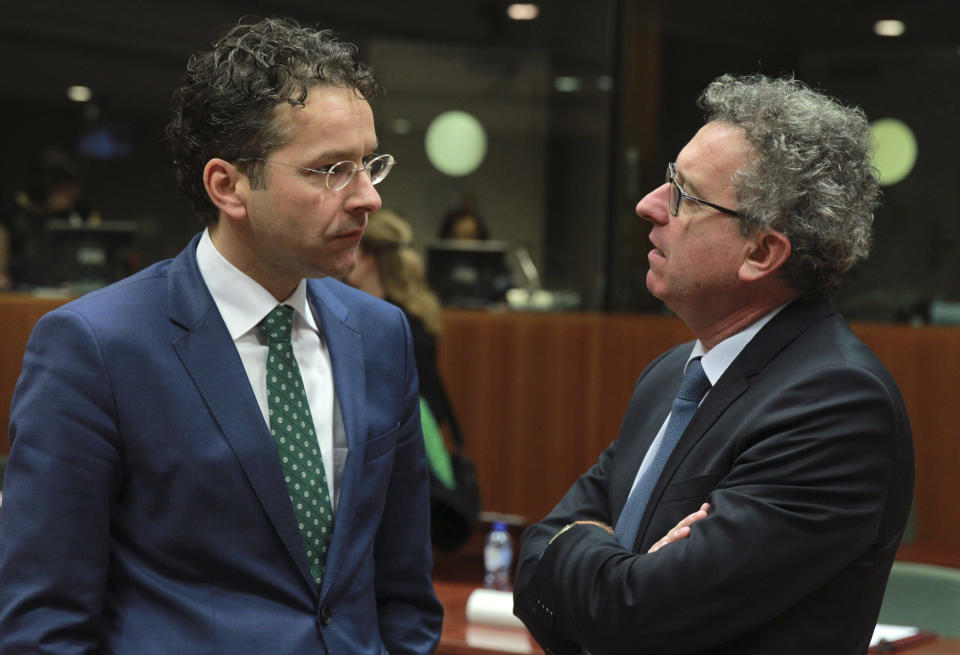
x=145, y=509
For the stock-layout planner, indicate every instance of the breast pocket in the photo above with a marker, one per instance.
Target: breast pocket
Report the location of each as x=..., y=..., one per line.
x=697, y=488
x=381, y=444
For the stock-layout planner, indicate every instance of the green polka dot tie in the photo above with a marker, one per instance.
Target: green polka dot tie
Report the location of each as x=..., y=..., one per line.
x=291, y=425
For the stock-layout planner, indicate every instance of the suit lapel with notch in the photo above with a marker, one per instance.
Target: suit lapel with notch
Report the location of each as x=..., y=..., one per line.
x=782, y=329
x=345, y=345
x=210, y=357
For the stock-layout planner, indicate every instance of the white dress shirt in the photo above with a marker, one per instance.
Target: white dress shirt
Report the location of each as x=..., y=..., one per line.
x=243, y=303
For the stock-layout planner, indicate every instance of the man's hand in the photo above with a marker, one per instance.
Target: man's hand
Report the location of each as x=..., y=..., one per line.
x=682, y=529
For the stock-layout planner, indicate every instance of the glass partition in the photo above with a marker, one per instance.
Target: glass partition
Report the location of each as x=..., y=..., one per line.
x=550, y=123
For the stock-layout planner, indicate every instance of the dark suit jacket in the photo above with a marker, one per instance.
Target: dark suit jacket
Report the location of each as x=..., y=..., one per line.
x=146, y=510
x=803, y=449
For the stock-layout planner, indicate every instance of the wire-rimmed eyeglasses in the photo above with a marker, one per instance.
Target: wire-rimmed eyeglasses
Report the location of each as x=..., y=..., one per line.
x=678, y=195
x=340, y=174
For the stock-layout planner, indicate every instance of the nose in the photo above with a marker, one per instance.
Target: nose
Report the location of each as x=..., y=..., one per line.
x=654, y=206
x=362, y=196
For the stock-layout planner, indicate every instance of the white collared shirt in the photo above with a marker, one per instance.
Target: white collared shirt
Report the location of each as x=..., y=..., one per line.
x=243, y=303
x=715, y=362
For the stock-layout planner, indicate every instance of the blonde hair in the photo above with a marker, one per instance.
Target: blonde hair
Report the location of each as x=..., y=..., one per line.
x=389, y=238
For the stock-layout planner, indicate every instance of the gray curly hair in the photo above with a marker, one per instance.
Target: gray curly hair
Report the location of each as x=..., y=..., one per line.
x=225, y=106
x=812, y=180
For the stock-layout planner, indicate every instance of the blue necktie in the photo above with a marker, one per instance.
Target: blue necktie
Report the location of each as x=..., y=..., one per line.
x=692, y=388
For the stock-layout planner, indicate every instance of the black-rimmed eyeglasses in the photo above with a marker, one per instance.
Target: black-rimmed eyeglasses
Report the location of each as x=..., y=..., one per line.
x=678, y=195
x=340, y=174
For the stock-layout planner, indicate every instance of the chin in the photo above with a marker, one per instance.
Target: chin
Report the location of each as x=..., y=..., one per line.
x=348, y=269
x=654, y=287
x=337, y=270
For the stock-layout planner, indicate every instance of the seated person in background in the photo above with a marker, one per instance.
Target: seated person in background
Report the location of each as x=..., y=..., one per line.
x=389, y=268
x=465, y=224
x=51, y=192
x=784, y=422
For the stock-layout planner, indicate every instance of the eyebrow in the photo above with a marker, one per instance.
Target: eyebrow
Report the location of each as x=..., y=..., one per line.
x=686, y=184
x=335, y=156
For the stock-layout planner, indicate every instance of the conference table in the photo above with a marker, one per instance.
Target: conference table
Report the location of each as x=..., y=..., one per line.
x=462, y=638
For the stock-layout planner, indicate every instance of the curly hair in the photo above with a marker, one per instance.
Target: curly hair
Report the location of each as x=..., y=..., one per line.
x=225, y=107
x=812, y=179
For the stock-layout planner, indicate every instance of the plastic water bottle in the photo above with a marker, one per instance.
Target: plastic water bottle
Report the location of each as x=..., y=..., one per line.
x=497, y=557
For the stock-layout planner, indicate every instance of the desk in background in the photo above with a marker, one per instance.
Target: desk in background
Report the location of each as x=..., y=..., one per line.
x=461, y=638
x=936, y=647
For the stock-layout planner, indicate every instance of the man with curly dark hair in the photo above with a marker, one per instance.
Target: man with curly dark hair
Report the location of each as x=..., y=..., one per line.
x=223, y=452
x=763, y=475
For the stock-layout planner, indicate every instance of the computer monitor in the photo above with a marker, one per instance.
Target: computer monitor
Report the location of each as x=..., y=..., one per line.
x=469, y=273
x=91, y=255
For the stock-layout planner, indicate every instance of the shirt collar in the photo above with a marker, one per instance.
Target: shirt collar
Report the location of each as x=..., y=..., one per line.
x=242, y=302
x=718, y=359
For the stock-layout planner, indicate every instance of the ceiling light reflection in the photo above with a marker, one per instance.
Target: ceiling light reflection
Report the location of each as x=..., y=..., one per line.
x=79, y=93
x=523, y=11
x=567, y=84
x=889, y=27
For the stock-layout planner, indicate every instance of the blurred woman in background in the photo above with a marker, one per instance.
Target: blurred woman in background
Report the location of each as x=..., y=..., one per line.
x=389, y=268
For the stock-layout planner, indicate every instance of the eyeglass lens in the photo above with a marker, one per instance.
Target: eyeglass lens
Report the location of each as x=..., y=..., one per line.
x=342, y=172
x=675, y=196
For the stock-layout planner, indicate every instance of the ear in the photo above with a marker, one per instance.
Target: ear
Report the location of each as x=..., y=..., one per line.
x=226, y=186
x=766, y=253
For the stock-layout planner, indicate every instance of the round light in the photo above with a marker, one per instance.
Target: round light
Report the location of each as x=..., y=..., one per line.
x=401, y=126
x=523, y=11
x=456, y=143
x=79, y=93
x=567, y=84
x=605, y=83
x=889, y=28
x=894, y=149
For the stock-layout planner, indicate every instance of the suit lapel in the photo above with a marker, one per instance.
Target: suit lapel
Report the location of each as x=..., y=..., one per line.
x=345, y=346
x=210, y=357
x=729, y=387
x=643, y=419
x=772, y=338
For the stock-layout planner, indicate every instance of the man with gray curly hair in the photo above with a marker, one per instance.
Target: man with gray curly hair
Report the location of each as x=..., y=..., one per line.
x=223, y=452
x=757, y=507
